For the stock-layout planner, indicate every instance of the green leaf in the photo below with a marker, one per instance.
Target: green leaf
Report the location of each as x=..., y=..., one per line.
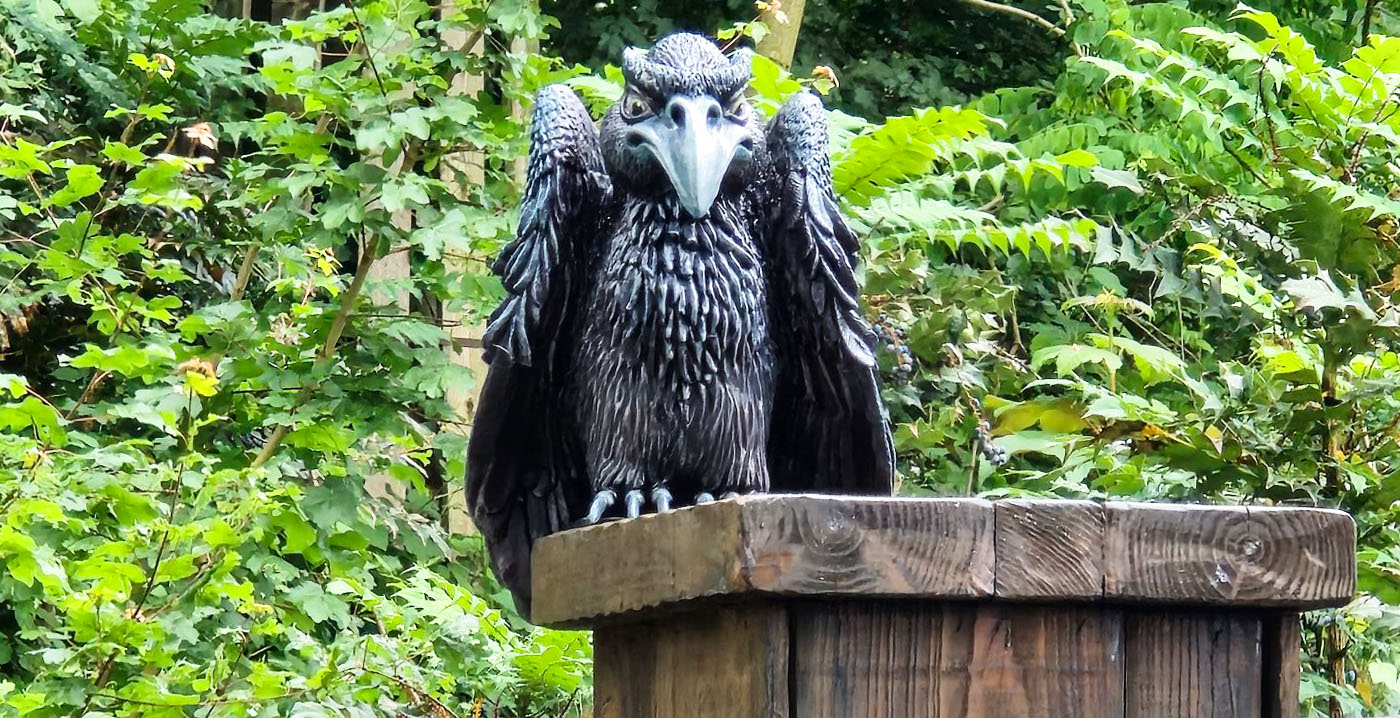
x=85, y=11
x=1116, y=179
x=1068, y=357
x=1320, y=292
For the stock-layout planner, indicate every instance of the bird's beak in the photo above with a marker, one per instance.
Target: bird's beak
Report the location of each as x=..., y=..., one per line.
x=695, y=144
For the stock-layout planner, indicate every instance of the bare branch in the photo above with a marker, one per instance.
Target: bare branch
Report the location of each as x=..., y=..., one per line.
x=1018, y=12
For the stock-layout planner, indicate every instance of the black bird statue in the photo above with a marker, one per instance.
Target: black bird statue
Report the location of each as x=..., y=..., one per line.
x=681, y=320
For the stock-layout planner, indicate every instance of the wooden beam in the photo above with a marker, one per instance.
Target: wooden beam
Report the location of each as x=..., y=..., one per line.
x=1049, y=549
x=829, y=546
x=1045, y=662
x=1248, y=556
x=728, y=663
x=776, y=545
x=1192, y=665
x=1283, y=664
x=464, y=172
x=909, y=659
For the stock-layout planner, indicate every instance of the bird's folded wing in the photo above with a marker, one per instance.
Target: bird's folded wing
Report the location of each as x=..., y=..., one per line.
x=829, y=427
x=565, y=182
x=522, y=479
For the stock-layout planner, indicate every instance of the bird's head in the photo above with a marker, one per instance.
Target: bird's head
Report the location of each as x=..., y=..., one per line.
x=683, y=124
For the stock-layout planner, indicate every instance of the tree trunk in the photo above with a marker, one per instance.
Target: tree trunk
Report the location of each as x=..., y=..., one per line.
x=781, y=41
x=1366, y=16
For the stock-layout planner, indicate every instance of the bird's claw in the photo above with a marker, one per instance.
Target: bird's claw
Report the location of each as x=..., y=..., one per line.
x=635, y=500
x=634, y=503
x=602, y=501
x=661, y=497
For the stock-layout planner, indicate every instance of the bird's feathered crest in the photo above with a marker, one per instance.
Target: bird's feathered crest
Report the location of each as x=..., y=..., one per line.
x=685, y=63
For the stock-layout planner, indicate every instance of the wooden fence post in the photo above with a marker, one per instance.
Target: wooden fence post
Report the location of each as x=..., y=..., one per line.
x=843, y=607
x=462, y=171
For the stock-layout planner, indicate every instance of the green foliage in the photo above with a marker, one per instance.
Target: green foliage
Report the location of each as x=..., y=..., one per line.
x=894, y=56
x=1171, y=275
x=1164, y=265
x=198, y=380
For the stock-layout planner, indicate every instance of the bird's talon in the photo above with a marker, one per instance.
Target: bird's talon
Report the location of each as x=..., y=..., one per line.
x=662, y=498
x=704, y=497
x=634, y=503
x=729, y=495
x=602, y=501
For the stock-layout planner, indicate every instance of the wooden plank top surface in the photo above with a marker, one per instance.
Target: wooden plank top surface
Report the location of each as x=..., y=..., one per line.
x=948, y=549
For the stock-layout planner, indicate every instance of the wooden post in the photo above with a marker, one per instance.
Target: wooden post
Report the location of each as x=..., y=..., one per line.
x=843, y=607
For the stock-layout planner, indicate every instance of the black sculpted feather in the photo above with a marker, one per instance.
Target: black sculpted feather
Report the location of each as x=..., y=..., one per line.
x=682, y=321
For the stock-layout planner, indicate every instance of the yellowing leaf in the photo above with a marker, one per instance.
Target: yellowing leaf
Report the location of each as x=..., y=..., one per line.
x=201, y=384
x=1078, y=158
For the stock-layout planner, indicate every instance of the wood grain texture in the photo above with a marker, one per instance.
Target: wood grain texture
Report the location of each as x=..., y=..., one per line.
x=1048, y=550
x=1299, y=557
x=829, y=546
x=1192, y=665
x=622, y=567
x=727, y=662
x=874, y=659
x=1173, y=553
x=1046, y=662
x=809, y=545
x=765, y=545
x=1282, y=645
x=859, y=659
x=956, y=649
x=1228, y=555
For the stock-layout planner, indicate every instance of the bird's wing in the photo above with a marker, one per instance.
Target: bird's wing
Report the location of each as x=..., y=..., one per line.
x=829, y=430
x=523, y=481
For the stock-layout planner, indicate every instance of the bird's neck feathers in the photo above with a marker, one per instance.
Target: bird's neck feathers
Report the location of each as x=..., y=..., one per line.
x=687, y=295
x=659, y=219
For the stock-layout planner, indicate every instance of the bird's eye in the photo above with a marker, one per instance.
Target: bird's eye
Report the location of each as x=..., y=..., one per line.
x=737, y=108
x=634, y=106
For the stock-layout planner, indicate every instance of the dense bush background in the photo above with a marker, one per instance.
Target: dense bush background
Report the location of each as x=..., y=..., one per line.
x=1156, y=257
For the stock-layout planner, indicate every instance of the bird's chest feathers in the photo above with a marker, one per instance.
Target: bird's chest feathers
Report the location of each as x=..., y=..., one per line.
x=684, y=296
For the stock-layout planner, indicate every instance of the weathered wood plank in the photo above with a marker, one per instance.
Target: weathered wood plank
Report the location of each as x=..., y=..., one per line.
x=819, y=545
x=865, y=659
x=1049, y=549
x=783, y=545
x=1046, y=662
x=1300, y=557
x=1283, y=664
x=727, y=662
x=1245, y=556
x=955, y=655
x=626, y=566
x=1173, y=553
x=798, y=545
x=1192, y=665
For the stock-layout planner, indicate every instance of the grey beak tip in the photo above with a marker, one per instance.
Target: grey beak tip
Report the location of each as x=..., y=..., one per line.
x=695, y=211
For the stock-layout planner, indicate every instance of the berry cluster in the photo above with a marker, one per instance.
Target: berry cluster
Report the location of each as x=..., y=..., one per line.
x=894, y=335
x=990, y=451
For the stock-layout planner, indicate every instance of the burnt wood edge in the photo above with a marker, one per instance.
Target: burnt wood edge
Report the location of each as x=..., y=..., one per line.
x=741, y=587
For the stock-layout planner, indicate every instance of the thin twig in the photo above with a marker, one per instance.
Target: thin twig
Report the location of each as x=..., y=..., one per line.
x=1018, y=12
x=342, y=317
x=369, y=51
